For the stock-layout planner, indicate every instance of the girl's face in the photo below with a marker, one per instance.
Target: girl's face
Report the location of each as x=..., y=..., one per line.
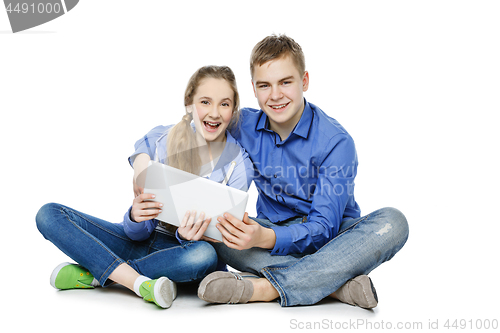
x=214, y=108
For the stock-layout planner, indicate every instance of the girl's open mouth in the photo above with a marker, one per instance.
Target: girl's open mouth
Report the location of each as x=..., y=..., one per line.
x=211, y=126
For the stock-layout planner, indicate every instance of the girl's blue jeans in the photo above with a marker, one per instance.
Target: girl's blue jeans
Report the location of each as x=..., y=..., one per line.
x=361, y=245
x=101, y=246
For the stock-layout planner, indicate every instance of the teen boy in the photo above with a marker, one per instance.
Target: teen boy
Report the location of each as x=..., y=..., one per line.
x=308, y=240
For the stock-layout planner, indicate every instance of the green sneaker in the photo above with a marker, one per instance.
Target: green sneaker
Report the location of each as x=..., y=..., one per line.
x=161, y=291
x=71, y=276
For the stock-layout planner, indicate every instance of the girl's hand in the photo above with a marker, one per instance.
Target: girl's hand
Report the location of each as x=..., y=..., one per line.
x=191, y=230
x=140, y=164
x=137, y=189
x=145, y=210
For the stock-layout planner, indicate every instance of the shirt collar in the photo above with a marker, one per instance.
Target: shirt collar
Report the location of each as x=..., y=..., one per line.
x=230, y=138
x=263, y=123
x=302, y=127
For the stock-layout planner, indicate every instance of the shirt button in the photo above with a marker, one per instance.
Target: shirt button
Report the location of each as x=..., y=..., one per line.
x=275, y=176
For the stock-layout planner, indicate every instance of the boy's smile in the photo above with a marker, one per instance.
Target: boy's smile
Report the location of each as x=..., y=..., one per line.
x=279, y=88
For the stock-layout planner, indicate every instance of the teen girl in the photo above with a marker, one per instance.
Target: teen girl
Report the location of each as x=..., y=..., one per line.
x=147, y=256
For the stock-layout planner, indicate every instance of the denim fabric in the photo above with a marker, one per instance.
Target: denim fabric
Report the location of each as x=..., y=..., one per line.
x=361, y=245
x=101, y=246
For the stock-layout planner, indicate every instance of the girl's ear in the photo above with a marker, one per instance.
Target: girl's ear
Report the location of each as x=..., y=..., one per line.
x=190, y=108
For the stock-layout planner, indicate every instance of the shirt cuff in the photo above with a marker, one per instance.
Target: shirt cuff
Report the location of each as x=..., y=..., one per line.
x=133, y=226
x=179, y=238
x=283, y=241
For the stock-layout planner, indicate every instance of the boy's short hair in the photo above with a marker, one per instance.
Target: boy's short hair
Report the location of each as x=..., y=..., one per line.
x=275, y=47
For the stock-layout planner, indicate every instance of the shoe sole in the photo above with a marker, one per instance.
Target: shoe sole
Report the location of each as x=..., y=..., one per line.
x=56, y=271
x=165, y=291
x=373, y=291
x=371, y=300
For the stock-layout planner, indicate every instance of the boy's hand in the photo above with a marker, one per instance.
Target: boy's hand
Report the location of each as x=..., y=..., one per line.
x=191, y=230
x=242, y=235
x=144, y=210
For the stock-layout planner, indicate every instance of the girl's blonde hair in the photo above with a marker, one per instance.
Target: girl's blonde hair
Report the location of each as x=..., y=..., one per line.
x=182, y=148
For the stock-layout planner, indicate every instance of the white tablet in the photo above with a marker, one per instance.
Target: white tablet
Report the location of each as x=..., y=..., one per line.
x=180, y=191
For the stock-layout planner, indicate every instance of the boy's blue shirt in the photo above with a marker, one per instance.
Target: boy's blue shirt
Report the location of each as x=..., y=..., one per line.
x=311, y=173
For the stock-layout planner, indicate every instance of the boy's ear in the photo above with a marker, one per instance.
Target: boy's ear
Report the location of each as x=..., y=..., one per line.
x=305, y=81
x=254, y=92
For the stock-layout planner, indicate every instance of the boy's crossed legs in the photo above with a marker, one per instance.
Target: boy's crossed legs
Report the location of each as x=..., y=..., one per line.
x=361, y=245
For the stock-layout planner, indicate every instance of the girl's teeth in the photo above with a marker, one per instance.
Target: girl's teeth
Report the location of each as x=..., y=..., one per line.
x=212, y=124
x=279, y=106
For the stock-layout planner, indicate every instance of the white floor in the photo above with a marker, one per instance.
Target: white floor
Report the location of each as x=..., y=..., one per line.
x=118, y=308
x=412, y=294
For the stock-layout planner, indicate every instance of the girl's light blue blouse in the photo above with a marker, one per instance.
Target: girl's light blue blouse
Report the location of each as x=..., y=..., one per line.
x=241, y=178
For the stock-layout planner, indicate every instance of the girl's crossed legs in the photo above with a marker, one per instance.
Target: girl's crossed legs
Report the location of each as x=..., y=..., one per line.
x=110, y=255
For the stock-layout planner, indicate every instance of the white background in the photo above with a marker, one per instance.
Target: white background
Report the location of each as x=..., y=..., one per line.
x=416, y=83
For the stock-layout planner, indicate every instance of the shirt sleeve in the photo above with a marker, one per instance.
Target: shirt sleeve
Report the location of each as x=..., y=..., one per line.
x=334, y=188
x=147, y=144
x=138, y=231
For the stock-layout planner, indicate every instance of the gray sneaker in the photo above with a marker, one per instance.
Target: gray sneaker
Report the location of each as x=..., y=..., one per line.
x=358, y=291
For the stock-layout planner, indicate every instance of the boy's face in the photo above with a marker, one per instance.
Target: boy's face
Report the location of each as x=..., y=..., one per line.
x=279, y=89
